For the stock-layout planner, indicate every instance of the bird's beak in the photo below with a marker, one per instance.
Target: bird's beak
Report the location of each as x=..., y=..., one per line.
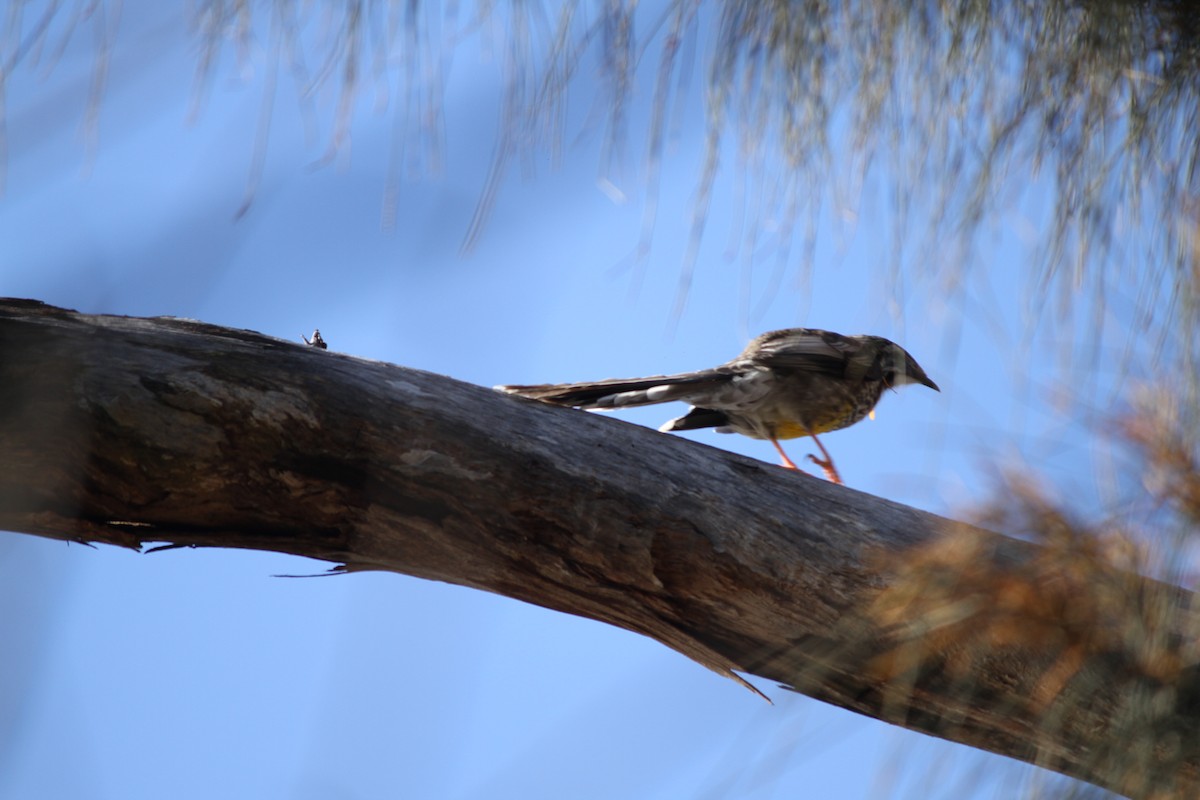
x=915, y=374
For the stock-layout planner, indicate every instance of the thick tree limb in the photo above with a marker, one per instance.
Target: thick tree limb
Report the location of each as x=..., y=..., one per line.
x=126, y=431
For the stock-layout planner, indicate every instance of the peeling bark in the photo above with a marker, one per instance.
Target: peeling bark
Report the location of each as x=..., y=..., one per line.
x=128, y=431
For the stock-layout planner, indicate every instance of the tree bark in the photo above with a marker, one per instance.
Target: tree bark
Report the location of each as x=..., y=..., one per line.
x=128, y=431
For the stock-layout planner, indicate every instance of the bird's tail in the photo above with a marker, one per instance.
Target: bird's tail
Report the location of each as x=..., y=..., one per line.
x=621, y=392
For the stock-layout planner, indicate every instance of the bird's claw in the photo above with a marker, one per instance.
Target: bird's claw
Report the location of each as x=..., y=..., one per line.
x=827, y=466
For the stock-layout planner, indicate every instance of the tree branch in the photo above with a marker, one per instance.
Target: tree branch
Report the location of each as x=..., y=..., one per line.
x=126, y=431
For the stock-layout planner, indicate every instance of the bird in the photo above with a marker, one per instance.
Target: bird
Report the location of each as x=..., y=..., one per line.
x=786, y=384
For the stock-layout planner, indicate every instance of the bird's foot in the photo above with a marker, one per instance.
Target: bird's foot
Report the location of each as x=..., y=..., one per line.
x=827, y=466
x=787, y=462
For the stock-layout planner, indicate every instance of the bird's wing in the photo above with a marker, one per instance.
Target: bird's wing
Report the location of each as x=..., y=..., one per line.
x=620, y=392
x=808, y=350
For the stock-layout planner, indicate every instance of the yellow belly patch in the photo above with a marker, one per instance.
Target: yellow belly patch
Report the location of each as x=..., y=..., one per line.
x=794, y=430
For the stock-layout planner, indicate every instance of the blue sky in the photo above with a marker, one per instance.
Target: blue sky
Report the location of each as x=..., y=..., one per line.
x=194, y=674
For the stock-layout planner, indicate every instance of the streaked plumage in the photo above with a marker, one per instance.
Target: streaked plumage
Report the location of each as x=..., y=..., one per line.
x=785, y=384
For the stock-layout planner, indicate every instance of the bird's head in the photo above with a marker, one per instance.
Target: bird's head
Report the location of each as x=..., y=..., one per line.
x=898, y=367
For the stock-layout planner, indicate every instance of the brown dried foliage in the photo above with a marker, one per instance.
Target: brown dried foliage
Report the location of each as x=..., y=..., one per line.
x=1077, y=598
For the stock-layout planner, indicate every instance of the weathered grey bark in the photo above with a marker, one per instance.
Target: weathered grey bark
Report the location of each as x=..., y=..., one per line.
x=126, y=431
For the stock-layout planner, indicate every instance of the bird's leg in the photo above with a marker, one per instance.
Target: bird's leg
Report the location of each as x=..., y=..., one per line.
x=787, y=462
x=827, y=464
